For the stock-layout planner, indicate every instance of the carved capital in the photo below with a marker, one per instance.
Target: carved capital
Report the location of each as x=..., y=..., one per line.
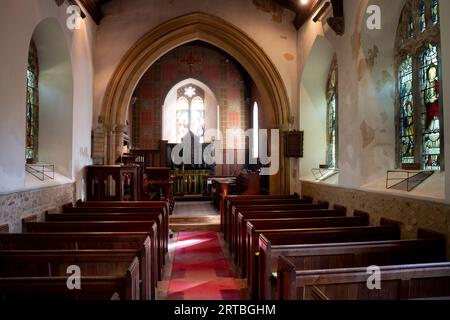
x=337, y=24
x=120, y=128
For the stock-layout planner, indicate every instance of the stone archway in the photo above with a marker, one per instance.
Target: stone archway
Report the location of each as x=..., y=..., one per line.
x=171, y=34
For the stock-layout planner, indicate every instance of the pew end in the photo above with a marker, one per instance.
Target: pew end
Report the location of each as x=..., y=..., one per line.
x=440, y=238
x=341, y=208
x=133, y=281
x=285, y=279
x=69, y=205
x=389, y=222
x=325, y=204
x=28, y=219
x=4, y=228
x=362, y=214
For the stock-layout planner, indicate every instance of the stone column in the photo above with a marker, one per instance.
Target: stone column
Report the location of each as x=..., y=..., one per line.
x=118, y=136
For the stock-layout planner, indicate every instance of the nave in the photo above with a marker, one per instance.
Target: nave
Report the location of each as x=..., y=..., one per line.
x=283, y=247
x=238, y=149
x=199, y=263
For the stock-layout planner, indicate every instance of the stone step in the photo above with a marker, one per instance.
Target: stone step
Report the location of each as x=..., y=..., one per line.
x=200, y=223
x=195, y=219
x=194, y=227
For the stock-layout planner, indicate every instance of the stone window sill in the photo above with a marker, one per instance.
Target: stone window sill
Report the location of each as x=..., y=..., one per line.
x=32, y=183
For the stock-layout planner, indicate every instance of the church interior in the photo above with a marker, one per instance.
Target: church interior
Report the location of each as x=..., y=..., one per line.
x=225, y=150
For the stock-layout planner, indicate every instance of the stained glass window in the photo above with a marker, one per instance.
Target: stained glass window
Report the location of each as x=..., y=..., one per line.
x=420, y=109
x=407, y=110
x=410, y=26
x=190, y=113
x=429, y=85
x=422, y=18
x=32, y=105
x=332, y=116
x=435, y=12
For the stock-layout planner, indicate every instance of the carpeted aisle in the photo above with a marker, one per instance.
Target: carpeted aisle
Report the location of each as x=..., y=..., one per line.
x=200, y=269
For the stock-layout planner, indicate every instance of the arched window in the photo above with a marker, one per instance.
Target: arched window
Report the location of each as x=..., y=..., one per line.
x=190, y=112
x=418, y=74
x=32, y=112
x=332, y=112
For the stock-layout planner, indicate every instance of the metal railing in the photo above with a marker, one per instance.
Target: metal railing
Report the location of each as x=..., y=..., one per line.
x=406, y=180
x=41, y=171
x=322, y=174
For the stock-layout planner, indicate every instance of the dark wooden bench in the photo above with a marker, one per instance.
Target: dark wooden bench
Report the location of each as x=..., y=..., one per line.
x=139, y=241
x=364, y=254
x=55, y=289
x=98, y=217
x=105, y=226
x=239, y=228
x=272, y=207
x=229, y=210
x=226, y=200
x=159, y=209
x=273, y=242
x=255, y=227
x=127, y=204
x=95, y=263
x=398, y=282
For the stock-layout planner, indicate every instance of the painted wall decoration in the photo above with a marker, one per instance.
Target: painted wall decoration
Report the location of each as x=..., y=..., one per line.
x=221, y=73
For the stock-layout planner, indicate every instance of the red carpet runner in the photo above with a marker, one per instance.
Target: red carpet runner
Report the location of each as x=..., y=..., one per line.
x=200, y=270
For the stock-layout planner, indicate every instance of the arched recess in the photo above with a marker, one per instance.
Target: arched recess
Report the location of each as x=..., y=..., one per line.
x=169, y=111
x=171, y=34
x=376, y=91
x=313, y=105
x=55, y=96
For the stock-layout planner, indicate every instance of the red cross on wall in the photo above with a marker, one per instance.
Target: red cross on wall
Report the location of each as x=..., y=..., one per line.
x=190, y=60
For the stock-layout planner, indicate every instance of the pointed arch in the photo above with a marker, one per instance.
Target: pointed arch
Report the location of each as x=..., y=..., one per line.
x=171, y=34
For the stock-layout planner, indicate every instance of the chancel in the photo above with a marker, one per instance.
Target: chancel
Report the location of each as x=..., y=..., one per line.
x=224, y=150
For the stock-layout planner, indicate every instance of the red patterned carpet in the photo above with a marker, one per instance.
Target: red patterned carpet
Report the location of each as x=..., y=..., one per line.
x=200, y=269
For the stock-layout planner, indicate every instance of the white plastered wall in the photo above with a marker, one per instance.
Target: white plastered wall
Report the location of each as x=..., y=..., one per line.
x=367, y=96
x=18, y=21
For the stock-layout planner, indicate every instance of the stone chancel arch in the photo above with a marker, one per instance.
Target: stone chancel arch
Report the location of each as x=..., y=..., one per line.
x=169, y=35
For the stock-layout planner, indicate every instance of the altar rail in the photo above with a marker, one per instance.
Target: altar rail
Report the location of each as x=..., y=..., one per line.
x=190, y=182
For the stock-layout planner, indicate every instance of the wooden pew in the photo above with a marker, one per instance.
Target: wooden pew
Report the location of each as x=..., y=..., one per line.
x=139, y=241
x=226, y=199
x=318, y=295
x=364, y=254
x=127, y=204
x=105, y=226
x=155, y=217
x=231, y=203
x=239, y=228
x=263, y=207
x=255, y=227
x=95, y=263
x=161, y=209
x=55, y=289
x=227, y=202
x=273, y=242
x=398, y=282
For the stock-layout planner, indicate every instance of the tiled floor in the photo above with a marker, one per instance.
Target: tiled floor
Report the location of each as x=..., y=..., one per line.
x=194, y=208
